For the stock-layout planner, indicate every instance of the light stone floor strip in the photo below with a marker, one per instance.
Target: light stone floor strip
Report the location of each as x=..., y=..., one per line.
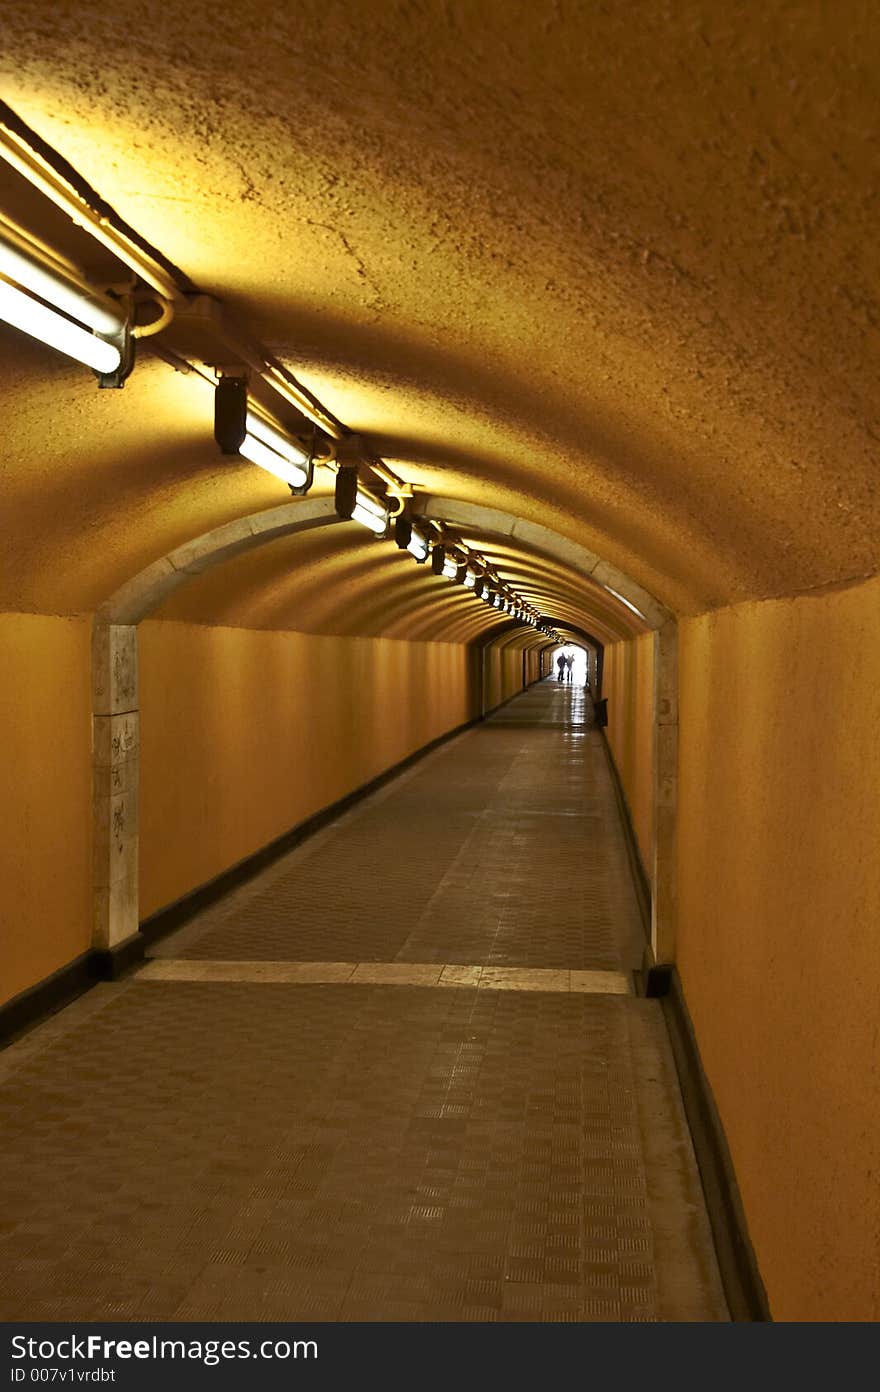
x=390, y=974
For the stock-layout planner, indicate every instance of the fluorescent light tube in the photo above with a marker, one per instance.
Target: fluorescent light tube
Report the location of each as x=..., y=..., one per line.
x=270, y=460
x=19, y=310
x=470, y=580
x=418, y=546
x=450, y=569
x=288, y=449
x=369, y=514
x=88, y=310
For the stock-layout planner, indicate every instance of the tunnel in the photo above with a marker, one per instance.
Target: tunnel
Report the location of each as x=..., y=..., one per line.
x=358, y=360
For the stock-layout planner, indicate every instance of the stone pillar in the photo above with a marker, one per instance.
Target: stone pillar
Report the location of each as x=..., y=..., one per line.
x=115, y=747
x=665, y=894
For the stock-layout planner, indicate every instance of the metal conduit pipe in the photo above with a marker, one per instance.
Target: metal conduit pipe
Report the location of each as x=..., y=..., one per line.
x=18, y=153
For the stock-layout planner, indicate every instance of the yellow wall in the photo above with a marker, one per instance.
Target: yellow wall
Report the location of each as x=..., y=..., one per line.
x=502, y=675
x=778, y=947
x=244, y=734
x=45, y=848
x=628, y=683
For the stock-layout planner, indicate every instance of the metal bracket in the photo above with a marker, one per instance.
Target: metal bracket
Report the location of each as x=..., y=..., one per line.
x=300, y=490
x=125, y=342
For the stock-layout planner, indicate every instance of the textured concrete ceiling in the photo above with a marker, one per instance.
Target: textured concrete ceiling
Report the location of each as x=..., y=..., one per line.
x=341, y=580
x=612, y=268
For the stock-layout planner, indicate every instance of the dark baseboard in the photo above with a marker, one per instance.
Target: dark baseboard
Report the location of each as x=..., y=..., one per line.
x=640, y=878
x=63, y=986
x=111, y=963
x=656, y=978
x=56, y=991
x=743, y=1287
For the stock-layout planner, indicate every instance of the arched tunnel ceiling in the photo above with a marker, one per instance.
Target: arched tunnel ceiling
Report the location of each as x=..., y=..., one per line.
x=340, y=579
x=615, y=278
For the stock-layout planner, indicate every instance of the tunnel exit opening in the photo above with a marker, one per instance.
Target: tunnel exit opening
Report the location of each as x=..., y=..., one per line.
x=568, y=663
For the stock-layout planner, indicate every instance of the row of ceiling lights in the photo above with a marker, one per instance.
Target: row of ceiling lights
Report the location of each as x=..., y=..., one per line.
x=463, y=566
x=238, y=430
x=50, y=303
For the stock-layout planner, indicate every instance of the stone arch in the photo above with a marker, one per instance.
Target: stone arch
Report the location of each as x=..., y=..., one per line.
x=534, y=536
x=115, y=706
x=115, y=701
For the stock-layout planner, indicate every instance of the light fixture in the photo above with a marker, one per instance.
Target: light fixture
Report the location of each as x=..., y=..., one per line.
x=370, y=514
x=418, y=546
x=100, y=315
x=231, y=412
x=470, y=579
x=353, y=504
x=23, y=312
x=409, y=539
x=274, y=452
x=450, y=569
x=239, y=431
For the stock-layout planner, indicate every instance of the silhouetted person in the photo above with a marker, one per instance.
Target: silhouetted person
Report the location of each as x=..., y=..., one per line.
x=560, y=667
x=569, y=663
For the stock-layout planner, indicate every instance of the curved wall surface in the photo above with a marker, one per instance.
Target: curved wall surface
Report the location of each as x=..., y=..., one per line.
x=628, y=685
x=779, y=884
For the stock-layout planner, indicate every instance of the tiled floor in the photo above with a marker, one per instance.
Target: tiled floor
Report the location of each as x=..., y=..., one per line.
x=503, y=848
x=273, y=1122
